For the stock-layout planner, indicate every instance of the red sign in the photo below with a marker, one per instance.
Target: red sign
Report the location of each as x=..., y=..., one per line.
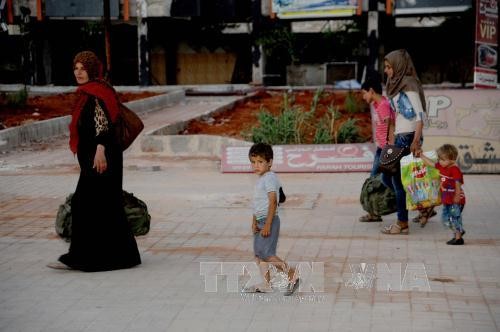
x=328, y=158
x=486, y=51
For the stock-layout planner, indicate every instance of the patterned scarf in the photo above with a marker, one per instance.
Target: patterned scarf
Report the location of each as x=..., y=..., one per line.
x=98, y=89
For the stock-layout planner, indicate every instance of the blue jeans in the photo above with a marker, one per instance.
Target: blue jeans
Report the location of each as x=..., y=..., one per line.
x=452, y=217
x=393, y=181
x=376, y=162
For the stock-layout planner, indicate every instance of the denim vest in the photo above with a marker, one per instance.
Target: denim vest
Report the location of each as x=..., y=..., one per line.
x=404, y=106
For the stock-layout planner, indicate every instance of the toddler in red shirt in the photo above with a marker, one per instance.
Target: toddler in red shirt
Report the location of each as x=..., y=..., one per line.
x=452, y=194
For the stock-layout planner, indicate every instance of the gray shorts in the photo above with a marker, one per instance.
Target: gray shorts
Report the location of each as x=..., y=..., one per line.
x=265, y=247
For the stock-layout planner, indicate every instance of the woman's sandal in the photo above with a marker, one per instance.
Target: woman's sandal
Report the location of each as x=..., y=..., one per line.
x=423, y=221
x=395, y=229
x=423, y=214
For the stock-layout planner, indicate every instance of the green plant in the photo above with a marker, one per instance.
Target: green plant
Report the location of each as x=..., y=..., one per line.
x=323, y=134
x=325, y=130
x=274, y=129
x=292, y=125
x=348, y=132
x=351, y=103
x=279, y=42
x=18, y=99
x=316, y=98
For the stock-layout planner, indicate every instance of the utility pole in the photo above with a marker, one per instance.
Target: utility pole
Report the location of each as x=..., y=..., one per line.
x=107, y=38
x=373, y=37
x=142, y=41
x=258, y=57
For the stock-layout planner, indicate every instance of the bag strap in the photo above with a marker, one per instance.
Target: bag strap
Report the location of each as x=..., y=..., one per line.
x=387, y=135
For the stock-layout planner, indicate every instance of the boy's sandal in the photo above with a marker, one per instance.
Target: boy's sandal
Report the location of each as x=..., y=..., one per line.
x=263, y=288
x=292, y=287
x=370, y=218
x=395, y=229
x=249, y=289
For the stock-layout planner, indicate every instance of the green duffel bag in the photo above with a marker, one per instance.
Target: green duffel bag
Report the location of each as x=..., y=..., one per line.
x=376, y=198
x=136, y=212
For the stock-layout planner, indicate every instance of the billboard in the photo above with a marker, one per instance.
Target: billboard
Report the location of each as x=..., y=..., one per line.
x=74, y=8
x=314, y=8
x=409, y=7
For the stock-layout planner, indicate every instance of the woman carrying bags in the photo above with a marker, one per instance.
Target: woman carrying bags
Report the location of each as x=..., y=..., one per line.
x=101, y=237
x=406, y=96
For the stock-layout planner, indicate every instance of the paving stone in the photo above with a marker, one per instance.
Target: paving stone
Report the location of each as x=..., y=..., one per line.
x=200, y=215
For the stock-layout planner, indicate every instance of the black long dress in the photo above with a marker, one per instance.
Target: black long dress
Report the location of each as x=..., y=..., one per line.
x=101, y=236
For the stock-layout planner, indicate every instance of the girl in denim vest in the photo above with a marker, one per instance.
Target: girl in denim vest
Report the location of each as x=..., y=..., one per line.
x=406, y=96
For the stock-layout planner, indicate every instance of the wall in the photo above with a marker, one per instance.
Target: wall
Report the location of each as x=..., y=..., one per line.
x=469, y=119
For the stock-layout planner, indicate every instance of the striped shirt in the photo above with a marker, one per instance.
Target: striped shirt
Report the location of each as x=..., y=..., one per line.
x=381, y=115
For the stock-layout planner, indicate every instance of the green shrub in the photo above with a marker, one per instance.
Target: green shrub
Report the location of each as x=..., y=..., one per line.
x=278, y=129
x=351, y=104
x=348, y=132
x=325, y=130
x=18, y=99
x=316, y=98
x=292, y=125
x=323, y=133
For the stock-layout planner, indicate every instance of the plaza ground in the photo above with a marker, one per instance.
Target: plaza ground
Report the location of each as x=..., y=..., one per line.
x=202, y=215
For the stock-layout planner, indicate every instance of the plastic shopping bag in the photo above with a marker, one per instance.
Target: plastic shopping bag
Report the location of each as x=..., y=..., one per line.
x=421, y=182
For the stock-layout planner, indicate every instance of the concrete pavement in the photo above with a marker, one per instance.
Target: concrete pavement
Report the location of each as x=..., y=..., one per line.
x=200, y=215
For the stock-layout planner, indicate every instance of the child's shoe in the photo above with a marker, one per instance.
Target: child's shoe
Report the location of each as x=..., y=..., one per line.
x=456, y=242
x=263, y=288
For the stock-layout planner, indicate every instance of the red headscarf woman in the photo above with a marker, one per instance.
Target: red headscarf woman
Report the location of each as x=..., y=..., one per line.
x=101, y=236
x=88, y=73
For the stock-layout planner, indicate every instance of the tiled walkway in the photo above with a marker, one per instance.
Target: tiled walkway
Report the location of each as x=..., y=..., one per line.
x=201, y=215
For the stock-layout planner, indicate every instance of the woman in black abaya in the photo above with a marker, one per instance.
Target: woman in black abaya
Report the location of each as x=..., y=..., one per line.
x=101, y=236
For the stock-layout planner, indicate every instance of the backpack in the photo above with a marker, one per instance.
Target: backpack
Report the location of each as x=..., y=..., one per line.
x=136, y=212
x=376, y=198
x=282, y=196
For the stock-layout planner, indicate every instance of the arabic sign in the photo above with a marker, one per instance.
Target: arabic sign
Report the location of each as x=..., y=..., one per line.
x=486, y=47
x=329, y=158
x=314, y=8
x=402, y=7
x=469, y=119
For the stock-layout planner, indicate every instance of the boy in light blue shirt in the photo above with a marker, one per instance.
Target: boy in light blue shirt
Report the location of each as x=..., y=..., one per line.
x=265, y=219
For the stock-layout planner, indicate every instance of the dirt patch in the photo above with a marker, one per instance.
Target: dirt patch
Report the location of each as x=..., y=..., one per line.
x=240, y=119
x=47, y=107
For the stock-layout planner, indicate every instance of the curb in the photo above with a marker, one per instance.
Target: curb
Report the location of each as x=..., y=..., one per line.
x=40, y=130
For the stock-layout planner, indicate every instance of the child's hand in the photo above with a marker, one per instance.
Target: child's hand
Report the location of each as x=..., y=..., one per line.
x=255, y=228
x=266, y=231
x=456, y=198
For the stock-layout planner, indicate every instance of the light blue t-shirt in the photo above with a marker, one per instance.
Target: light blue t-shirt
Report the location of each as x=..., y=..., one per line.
x=266, y=183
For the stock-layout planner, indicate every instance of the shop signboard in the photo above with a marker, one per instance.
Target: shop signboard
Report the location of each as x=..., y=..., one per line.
x=291, y=9
x=486, y=46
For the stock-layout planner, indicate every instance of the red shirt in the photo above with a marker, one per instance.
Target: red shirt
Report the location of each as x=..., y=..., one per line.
x=449, y=176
